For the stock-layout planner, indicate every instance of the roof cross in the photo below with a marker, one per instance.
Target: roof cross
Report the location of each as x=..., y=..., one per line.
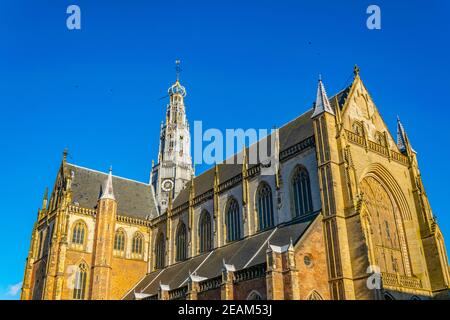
x=178, y=68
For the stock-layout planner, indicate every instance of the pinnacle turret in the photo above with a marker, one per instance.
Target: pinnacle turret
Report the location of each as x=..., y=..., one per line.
x=322, y=103
x=108, y=192
x=45, y=199
x=402, y=138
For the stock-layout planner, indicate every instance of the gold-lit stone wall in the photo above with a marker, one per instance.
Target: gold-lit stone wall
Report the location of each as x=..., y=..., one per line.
x=373, y=207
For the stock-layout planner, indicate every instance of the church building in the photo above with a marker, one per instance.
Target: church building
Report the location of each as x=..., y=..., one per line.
x=344, y=216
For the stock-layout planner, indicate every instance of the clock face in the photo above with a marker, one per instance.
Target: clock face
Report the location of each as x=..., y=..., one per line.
x=167, y=185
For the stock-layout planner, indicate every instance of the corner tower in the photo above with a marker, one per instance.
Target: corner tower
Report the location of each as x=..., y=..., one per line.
x=174, y=167
x=104, y=242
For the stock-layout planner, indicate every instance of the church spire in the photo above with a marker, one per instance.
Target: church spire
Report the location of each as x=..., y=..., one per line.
x=108, y=192
x=174, y=167
x=322, y=103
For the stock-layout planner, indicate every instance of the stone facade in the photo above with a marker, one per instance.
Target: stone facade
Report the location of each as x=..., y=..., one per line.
x=347, y=200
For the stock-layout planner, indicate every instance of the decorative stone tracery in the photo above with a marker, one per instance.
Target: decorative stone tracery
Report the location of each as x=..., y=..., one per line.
x=383, y=227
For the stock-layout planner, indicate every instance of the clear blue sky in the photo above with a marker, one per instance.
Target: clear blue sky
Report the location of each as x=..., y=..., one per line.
x=245, y=64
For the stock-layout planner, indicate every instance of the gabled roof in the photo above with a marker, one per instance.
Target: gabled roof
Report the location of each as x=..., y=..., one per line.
x=242, y=254
x=134, y=199
x=341, y=97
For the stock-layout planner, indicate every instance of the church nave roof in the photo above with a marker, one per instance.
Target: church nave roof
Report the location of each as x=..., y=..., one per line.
x=134, y=199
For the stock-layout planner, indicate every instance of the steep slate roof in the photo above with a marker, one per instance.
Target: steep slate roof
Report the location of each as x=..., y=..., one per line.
x=290, y=134
x=134, y=199
x=341, y=97
x=242, y=254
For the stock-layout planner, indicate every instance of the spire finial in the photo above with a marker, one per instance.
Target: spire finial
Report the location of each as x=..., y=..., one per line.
x=178, y=68
x=65, y=153
x=108, y=192
x=177, y=88
x=356, y=70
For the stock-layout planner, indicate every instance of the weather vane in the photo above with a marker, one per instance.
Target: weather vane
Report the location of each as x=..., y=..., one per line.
x=178, y=68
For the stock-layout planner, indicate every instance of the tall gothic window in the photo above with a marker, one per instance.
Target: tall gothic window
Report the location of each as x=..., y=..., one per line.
x=79, y=289
x=79, y=234
x=385, y=237
x=137, y=245
x=160, y=251
x=233, y=221
x=301, y=192
x=119, y=242
x=181, y=242
x=264, y=205
x=205, y=232
x=388, y=231
x=41, y=241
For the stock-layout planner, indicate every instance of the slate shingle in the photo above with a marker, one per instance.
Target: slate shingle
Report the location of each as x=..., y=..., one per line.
x=134, y=199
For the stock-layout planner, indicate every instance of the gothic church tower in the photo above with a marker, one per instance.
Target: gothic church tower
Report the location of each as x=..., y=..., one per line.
x=174, y=167
x=103, y=242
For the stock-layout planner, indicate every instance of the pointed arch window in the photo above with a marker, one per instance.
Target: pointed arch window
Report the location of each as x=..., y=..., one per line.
x=388, y=296
x=79, y=232
x=254, y=295
x=314, y=295
x=119, y=243
x=205, y=232
x=160, y=251
x=264, y=204
x=181, y=242
x=301, y=193
x=41, y=241
x=233, y=221
x=137, y=246
x=79, y=289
